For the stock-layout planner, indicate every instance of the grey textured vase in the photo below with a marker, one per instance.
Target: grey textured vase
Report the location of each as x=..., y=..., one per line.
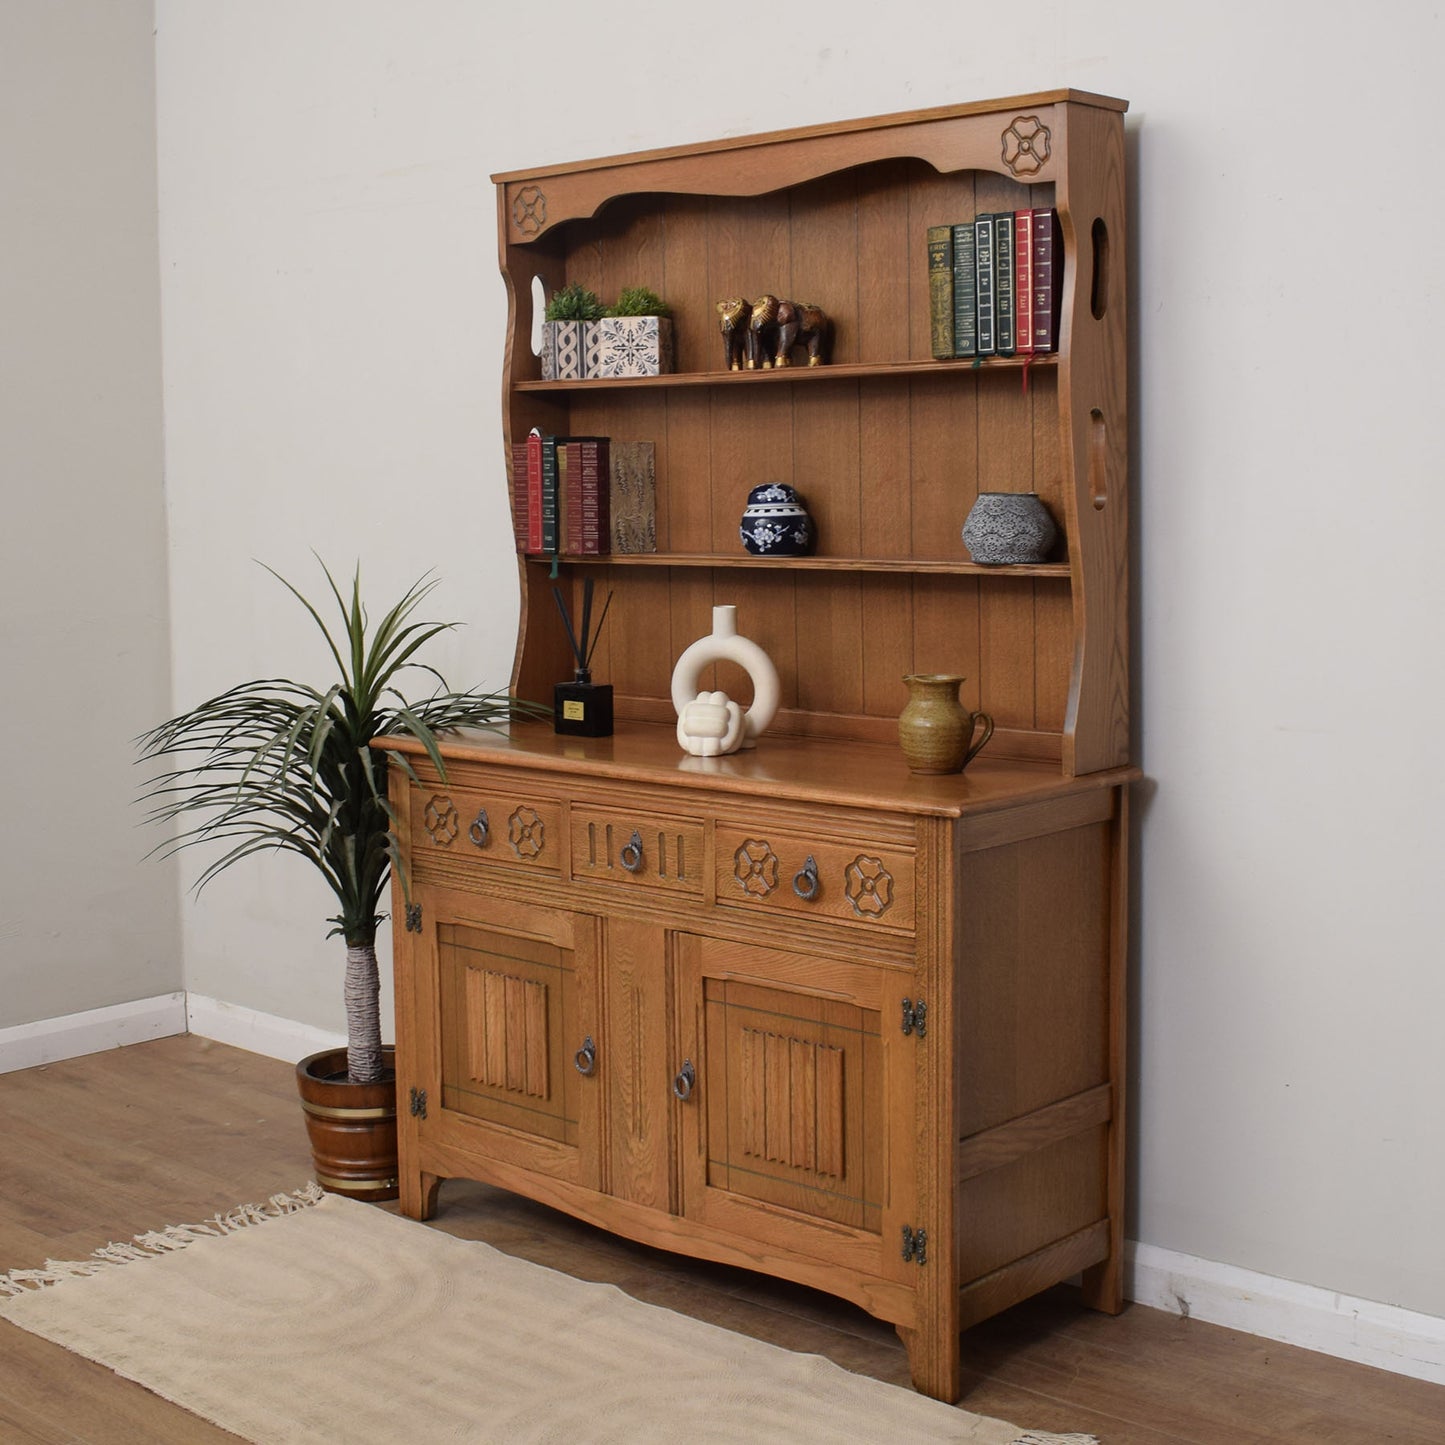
x=1006, y=528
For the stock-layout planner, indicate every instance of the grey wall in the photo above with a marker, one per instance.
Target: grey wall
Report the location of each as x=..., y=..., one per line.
x=84, y=644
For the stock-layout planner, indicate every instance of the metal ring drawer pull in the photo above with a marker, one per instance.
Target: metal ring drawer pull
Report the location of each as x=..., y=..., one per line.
x=805, y=880
x=683, y=1084
x=585, y=1059
x=632, y=853
x=481, y=831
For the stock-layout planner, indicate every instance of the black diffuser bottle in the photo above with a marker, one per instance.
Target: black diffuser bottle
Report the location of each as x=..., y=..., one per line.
x=582, y=708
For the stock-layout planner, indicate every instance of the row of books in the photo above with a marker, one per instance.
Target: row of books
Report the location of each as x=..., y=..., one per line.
x=576, y=496
x=995, y=284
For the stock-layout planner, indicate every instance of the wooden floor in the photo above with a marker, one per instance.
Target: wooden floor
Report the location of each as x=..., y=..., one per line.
x=105, y=1147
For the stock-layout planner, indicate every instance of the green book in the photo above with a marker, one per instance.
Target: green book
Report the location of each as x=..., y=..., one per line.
x=965, y=312
x=1003, y=281
x=940, y=290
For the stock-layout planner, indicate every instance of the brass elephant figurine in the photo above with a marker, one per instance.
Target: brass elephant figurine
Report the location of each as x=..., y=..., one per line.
x=734, y=312
x=776, y=327
x=762, y=334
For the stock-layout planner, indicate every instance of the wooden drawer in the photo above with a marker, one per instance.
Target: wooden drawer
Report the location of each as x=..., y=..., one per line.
x=649, y=850
x=859, y=882
x=494, y=827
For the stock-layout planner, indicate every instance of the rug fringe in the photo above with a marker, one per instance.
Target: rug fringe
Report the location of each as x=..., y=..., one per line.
x=1032, y=1437
x=159, y=1242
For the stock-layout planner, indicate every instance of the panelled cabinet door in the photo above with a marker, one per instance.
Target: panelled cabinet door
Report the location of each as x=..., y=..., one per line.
x=512, y=991
x=798, y=1129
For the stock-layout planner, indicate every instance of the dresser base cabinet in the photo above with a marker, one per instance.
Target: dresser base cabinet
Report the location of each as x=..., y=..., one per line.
x=873, y=1048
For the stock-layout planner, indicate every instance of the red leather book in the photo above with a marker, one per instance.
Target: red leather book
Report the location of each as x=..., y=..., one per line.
x=1023, y=282
x=519, y=494
x=534, y=490
x=1048, y=279
x=583, y=464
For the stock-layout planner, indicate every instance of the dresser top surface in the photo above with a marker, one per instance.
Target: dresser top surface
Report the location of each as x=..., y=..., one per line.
x=853, y=774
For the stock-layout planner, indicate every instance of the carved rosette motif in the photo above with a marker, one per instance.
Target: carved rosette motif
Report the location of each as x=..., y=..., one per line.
x=755, y=866
x=526, y=832
x=869, y=886
x=1026, y=145
x=440, y=820
x=529, y=210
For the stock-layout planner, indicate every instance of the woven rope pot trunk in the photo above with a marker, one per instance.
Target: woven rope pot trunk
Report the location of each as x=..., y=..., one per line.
x=352, y=1127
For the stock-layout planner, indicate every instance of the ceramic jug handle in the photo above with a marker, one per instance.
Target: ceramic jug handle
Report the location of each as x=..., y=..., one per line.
x=987, y=734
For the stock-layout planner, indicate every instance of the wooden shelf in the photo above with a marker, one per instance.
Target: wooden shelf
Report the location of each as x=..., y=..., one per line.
x=902, y=565
x=792, y=375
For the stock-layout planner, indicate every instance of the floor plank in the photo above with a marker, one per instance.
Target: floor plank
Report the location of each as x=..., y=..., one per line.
x=108, y=1146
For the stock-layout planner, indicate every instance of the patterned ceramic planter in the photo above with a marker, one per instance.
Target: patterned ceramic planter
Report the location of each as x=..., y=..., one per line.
x=1009, y=528
x=562, y=354
x=629, y=346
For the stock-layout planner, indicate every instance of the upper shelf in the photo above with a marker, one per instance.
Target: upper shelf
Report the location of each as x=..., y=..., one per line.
x=939, y=566
x=791, y=375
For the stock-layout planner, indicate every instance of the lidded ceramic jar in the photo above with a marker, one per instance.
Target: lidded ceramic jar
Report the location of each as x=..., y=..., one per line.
x=776, y=522
x=1006, y=528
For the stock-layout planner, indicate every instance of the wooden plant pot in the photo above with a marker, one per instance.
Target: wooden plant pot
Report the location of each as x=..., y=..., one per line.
x=352, y=1127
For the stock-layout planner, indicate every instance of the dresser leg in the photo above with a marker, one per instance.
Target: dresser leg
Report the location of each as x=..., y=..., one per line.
x=1103, y=1284
x=419, y=1194
x=933, y=1364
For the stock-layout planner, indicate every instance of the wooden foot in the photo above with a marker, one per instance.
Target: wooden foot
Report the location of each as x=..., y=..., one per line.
x=419, y=1194
x=1103, y=1284
x=933, y=1364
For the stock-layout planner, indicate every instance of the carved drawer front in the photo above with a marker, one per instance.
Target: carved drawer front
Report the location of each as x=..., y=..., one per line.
x=499, y=827
x=861, y=882
x=651, y=850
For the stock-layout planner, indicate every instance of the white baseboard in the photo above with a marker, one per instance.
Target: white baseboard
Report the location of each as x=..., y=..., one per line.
x=244, y=1028
x=47, y=1041
x=1386, y=1336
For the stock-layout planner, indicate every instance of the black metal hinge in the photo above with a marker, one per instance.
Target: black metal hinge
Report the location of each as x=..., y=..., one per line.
x=413, y=917
x=915, y=1017
x=418, y=1103
x=915, y=1245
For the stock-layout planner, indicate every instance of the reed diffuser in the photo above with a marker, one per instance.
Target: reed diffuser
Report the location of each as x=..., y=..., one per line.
x=582, y=707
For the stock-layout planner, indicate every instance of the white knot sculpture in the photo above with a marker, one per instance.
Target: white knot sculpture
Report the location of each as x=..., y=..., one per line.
x=710, y=726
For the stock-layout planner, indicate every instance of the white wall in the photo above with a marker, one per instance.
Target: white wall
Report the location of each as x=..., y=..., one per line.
x=333, y=328
x=83, y=641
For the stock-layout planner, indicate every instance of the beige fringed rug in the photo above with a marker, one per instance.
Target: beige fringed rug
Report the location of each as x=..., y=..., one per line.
x=314, y=1318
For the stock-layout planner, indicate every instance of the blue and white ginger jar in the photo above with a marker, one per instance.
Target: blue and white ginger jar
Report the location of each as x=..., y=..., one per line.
x=776, y=523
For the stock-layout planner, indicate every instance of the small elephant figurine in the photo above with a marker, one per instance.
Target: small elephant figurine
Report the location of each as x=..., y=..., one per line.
x=776, y=326
x=735, y=313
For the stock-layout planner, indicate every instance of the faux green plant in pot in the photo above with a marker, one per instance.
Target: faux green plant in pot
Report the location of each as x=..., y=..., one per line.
x=634, y=336
x=278, y=765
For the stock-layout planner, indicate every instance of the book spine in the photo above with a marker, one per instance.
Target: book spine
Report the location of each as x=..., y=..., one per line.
x=569, y=495
x=551, y=516
x=534, y=490
x=1048, y=279
x=1003, y=281
x=519, y=494
x=940, y=290
x=965, y=315
x=1024, y=282
x=983, y=282
x=594, y=529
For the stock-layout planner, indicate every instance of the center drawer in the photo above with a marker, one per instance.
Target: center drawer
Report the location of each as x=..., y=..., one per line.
x=860, y=881
x=650, y=850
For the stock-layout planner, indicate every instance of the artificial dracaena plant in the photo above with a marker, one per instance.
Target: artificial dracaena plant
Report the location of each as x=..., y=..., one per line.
x=281, y=765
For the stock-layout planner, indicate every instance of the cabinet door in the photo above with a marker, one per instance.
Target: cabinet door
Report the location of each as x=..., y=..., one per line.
x=511, y=989
x=798, y=1130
